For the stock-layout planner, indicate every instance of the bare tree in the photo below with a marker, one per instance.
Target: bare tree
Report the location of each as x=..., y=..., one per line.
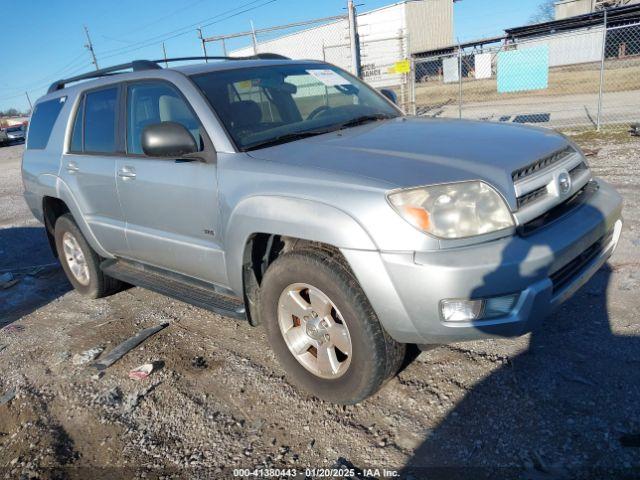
x=545, y=12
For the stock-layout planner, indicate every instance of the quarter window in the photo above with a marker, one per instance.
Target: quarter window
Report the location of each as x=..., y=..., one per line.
x=42, y=121
x=151, y=103
x=100, y=121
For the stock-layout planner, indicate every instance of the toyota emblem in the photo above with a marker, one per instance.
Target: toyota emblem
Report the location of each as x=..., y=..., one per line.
x=564, y=183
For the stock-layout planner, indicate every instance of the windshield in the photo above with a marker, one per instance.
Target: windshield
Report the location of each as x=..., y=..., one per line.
x=263, y=106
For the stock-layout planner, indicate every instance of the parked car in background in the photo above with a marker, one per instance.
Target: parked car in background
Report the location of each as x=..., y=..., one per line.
x=4, y=138
x=293, y=195
x=15, y=133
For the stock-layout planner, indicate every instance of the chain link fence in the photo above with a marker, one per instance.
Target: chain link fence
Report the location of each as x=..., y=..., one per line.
x=582, y=78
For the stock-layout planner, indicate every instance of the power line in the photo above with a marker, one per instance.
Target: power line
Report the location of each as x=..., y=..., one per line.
x=185, y=30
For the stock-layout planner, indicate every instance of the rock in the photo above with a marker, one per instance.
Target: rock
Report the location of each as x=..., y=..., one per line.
x=198, y=362
x=7, y=280
x=86, y=356
x=7, y=397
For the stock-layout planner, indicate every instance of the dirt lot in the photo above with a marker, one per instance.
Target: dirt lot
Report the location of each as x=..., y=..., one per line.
x=560, y=403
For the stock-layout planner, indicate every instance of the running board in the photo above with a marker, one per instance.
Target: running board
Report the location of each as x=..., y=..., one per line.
x=176, y=286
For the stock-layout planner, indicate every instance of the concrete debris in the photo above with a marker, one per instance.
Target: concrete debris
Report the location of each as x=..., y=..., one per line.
x=122, y=349
x=87, y=356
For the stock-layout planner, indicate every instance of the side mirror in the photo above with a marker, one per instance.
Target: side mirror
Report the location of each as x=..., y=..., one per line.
x=167, y=139
x=390, y=94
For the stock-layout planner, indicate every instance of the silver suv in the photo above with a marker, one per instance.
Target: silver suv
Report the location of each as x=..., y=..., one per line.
x=291, y=194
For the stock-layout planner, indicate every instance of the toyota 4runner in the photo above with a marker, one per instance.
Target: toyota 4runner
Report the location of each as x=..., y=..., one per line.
x=293, y=195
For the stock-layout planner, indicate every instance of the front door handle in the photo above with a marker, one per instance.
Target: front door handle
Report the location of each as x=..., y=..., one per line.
x=72, y=167
x=127, y=173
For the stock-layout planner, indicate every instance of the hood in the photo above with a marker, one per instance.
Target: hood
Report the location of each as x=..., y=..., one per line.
x=408, y=152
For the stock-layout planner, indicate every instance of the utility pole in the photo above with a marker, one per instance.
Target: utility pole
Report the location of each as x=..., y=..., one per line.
x=89, y=46
x=164, y=52
x=355, y=39
x=29, y=100
x=204, y=45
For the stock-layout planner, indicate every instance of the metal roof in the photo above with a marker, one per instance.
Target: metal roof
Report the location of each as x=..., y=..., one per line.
x=615, y=16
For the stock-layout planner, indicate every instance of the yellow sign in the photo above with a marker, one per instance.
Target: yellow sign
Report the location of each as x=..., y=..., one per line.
x=403, y=66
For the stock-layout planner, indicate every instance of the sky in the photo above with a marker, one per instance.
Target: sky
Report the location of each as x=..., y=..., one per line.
x=44, y=40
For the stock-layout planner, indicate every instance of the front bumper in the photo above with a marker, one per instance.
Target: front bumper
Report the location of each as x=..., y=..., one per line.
x=545, y=268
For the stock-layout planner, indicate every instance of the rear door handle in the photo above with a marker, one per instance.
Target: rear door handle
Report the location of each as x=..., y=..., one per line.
x=72, y=167
x=127, y=173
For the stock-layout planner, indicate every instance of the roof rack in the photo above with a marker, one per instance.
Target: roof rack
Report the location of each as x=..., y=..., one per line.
x=139, y=65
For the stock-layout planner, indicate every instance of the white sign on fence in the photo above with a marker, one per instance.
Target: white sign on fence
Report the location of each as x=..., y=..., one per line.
x=450, y=69
x=482, y=65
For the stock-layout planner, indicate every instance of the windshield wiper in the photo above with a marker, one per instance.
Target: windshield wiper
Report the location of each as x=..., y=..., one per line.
x=287, y=137
x=365, y=119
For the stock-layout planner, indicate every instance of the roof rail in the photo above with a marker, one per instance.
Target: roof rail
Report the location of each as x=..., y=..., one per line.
x=138, y=65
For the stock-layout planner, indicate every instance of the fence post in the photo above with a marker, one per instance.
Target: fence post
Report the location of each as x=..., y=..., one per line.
x=354, y=39
x=459, y=80
x=412, y=79
x=601, y=88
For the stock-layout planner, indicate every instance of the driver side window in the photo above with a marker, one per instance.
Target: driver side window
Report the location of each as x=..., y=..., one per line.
x=157, y=102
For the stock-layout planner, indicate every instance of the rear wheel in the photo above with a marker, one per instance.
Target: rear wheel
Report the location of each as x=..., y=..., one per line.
x=80, y=262
x=323, y=330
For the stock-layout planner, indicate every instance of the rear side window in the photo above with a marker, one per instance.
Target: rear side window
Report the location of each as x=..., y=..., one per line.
x=100, y=121
x=42, y=121
x=76, y=135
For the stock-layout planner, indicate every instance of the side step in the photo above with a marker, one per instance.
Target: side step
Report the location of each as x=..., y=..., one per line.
x=176, y=286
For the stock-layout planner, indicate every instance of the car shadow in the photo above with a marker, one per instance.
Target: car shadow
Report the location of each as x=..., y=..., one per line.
x=560, y=409
x=31, y=275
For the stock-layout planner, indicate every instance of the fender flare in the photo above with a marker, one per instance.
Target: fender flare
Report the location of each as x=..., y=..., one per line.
x=288, y=216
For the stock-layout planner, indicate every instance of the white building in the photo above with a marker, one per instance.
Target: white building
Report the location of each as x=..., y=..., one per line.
x=387, y=35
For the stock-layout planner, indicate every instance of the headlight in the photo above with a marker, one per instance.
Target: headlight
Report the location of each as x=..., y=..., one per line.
x=454, y=210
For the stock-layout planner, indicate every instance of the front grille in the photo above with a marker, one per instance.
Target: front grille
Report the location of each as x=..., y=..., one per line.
x=532, y=196
x=559, y=210
x=566, y=274
x=578, y=169
x=541, y=164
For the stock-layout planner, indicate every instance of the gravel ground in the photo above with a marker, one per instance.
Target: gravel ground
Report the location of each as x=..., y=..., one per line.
x=562, y=402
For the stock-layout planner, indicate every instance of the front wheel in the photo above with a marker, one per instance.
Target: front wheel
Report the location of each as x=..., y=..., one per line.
x=323, y=329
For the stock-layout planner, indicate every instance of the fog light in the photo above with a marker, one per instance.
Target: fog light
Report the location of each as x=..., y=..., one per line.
x=454, y=310
x=499, y=306
x=459, y=310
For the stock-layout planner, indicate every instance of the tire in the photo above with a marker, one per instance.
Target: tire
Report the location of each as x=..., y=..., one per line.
x=374, y=358
x=94, y=284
